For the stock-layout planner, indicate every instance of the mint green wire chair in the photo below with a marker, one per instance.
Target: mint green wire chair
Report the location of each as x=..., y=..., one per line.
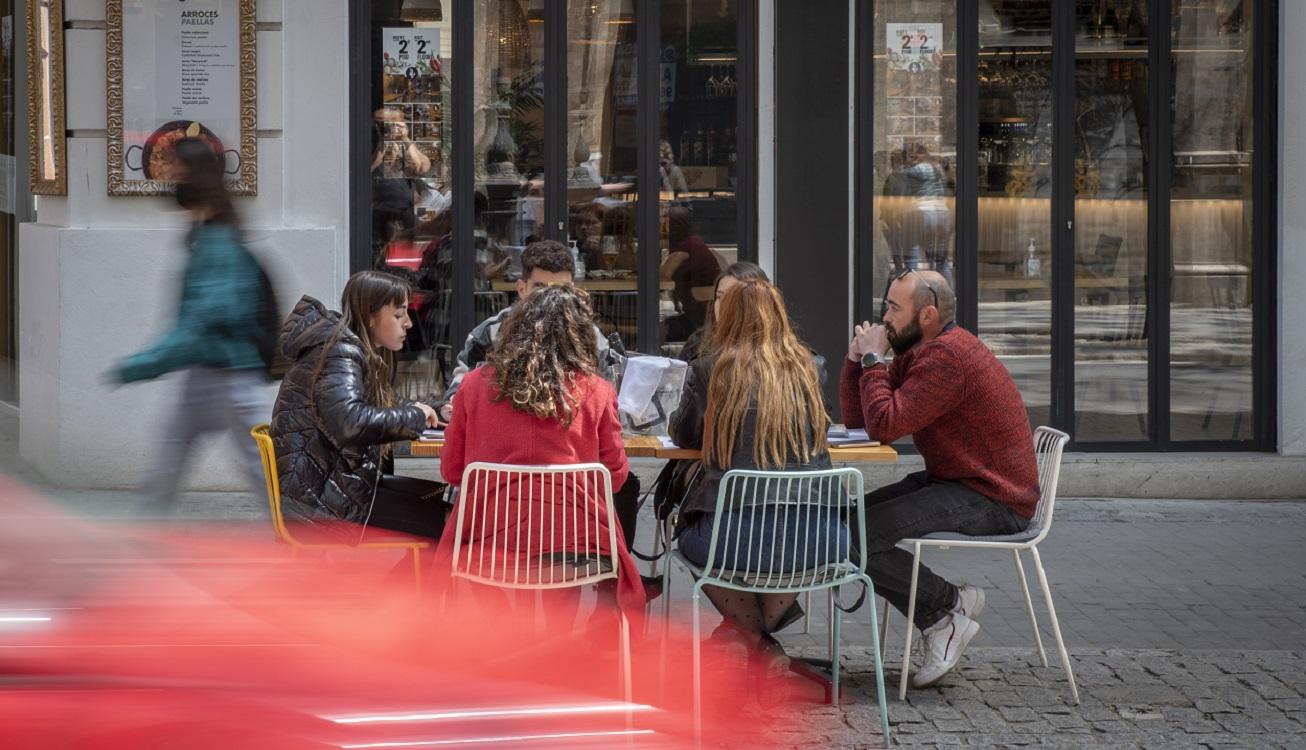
x=819, y=498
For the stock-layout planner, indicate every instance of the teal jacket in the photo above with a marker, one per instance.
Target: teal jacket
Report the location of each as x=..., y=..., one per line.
x=217, y=319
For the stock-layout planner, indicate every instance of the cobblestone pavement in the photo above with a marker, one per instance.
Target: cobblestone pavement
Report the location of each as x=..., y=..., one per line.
x=1184, y=620
x=1144, y=698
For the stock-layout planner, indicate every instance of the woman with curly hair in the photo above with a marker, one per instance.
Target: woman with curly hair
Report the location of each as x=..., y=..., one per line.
x=539, y=401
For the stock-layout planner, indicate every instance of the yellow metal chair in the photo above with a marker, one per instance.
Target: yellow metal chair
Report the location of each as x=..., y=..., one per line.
x=262, y=436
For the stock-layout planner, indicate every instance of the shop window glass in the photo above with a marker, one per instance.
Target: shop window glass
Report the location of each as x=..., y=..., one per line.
x=1111, y=194
x=1211, y=220
x=1015, y=194
x=915, y=139
x=601, y=152
x=411, y=199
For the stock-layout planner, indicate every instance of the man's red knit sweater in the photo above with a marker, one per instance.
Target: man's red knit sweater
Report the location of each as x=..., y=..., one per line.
x=962, y=409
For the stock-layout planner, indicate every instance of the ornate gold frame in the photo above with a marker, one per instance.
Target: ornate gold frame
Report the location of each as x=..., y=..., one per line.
x=247, y=177
x=37, y=104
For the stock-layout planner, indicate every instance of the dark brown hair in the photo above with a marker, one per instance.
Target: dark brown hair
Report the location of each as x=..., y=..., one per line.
x=546, y=255
x=546, y=343
x=365, y=294
x=204, y=185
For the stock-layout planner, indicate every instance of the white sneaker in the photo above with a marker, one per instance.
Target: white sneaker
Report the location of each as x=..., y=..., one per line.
x=970, y=601
x=944, y=644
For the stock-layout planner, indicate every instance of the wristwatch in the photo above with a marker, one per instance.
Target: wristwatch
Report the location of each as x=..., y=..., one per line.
x=871, y=358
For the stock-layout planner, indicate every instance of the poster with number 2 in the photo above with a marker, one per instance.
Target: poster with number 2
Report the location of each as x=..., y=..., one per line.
x=915, y=47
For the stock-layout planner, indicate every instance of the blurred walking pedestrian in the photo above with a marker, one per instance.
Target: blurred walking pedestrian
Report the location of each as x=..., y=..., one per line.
x=217, y=338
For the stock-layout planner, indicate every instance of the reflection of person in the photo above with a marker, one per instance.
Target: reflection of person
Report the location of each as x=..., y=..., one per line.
x=587, y=231
x=755, y=402
x=619, y=224
x=691, y=264
x=673, y=179
x=336, y=410
x=918, y=223
x=542, y=380
x=396, y=160
x=966, y=417
x=215, y=336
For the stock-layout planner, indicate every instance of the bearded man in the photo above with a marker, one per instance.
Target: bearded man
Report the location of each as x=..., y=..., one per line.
x=965, y=415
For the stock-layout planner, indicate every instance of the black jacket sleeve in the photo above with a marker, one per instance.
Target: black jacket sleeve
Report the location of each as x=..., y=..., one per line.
x=348, y=418
x=687, y=423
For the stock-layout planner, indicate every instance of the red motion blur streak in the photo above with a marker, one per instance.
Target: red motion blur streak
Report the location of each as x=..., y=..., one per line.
x=118, y=636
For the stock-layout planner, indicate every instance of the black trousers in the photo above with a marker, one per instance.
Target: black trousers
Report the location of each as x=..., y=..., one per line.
x=410, y=505
x=916, y=506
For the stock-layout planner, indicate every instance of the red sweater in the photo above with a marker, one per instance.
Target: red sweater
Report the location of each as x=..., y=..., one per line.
x=962, y=409
x=483, y=429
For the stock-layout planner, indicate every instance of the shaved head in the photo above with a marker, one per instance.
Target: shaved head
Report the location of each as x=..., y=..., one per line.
x=931, y=288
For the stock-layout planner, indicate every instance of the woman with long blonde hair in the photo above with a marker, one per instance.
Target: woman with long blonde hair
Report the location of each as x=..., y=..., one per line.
x=753, y=401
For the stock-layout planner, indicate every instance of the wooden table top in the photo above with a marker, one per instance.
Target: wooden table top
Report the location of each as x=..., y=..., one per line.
x=647, y=446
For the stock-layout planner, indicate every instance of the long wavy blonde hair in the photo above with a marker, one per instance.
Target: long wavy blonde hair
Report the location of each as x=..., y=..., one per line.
x=761, y=364
x=546, y=344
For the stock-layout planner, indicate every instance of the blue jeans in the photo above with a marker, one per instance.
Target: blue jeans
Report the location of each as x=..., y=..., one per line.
x=783, y=539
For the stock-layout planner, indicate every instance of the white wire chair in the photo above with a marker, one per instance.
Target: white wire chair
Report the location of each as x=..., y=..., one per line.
x=538, y=528
x=1048, y=446
x=817, y=499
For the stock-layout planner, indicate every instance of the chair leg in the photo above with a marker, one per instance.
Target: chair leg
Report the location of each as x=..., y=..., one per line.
x=625, y=668
x=807, y=618
x=698, y=666
x=884, y=632
x=877, y=651
x=911, y=619
x=833, y=646
x=1056, y=626
x=657, y=550
x=1029, y=605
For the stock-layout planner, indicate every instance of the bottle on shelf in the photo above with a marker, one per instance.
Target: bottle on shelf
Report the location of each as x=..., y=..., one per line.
x=709, y=147
x=1033, y=266
x=686, y=147
x=699, y=145
x=577, y=261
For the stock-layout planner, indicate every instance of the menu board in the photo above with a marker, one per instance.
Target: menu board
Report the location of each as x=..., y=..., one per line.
x=187, y=71
x=913, y=83
x=412, y=75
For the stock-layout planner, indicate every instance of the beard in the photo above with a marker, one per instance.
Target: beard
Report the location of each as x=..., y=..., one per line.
x=902, y=341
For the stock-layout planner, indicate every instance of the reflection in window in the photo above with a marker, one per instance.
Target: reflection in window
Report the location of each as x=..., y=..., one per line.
x=411, y=200
x=601, y=152
x=915, y=138
x=1111, y=348
x=697, y=156
x=1015, y=196
x=1211, y=221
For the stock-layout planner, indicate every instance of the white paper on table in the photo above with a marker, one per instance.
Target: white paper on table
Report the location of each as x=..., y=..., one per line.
x=667, y=442
x=639, y=383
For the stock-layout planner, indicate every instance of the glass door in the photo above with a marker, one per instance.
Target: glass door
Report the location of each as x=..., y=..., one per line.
x=9, y=186
x=1014, y=185
x=1111, y=229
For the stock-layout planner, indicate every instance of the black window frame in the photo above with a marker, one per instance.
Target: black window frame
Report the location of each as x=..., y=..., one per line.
x=1265, y=164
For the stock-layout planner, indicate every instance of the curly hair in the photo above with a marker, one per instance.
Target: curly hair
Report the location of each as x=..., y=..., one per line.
x=546, y=343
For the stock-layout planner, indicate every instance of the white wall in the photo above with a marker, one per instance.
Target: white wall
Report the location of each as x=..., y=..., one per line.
x=100, y=275
x=1292, y=229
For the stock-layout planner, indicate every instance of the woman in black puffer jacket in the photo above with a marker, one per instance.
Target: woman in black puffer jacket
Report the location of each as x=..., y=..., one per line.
x=336, y=413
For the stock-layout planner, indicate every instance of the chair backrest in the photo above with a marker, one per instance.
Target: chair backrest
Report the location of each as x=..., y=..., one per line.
x=1048, y=445
x=784, y=530
x=263, y=436
x=535, y=527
